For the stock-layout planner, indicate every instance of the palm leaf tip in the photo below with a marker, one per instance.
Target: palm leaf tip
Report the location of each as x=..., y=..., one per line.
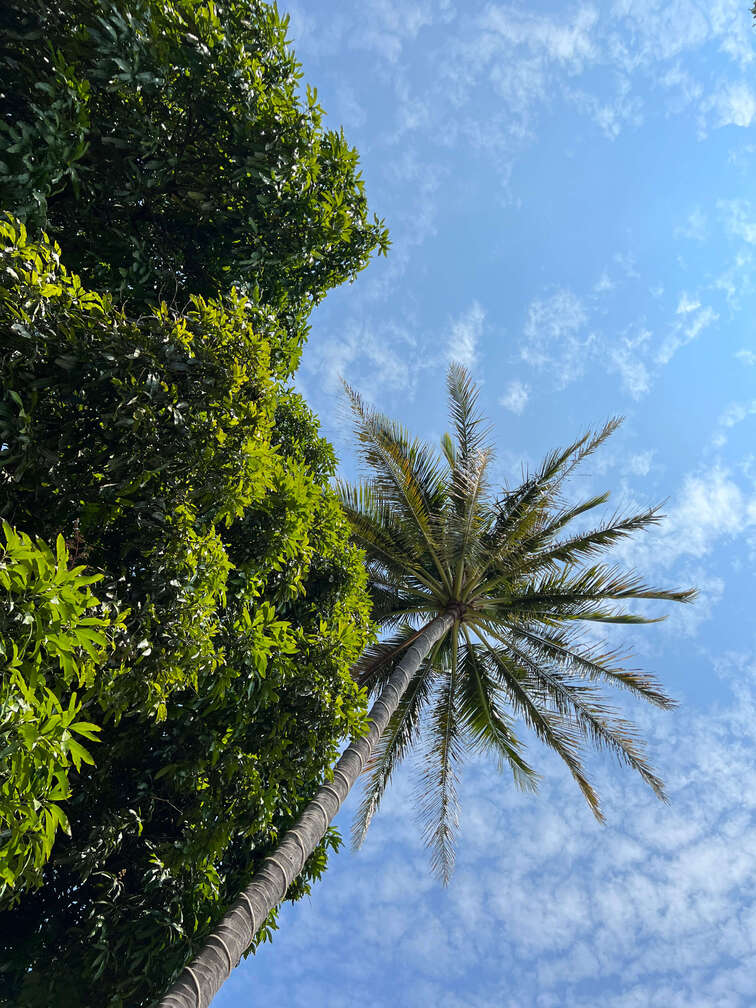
x=468, y=423
x=449, y=450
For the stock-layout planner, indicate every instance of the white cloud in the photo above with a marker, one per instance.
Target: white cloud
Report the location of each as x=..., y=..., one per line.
x=515, y=397
x=739, y=219
x=387, y=26
x=747, y=356
x=627, y=358
x=604, y=284
x=560, y=337
x=567, y=40
x=687, y=620
x=466, y=332
x=711, y=507
x=735, y=105
x=626, y=262
x=612, y=115
x=658, y=31
x=695, y=320
x=684, y=89
x=737, y=280
x=555, y=339
x=687, y=304
x=734, y=414
x=524, y=57
x=732, y=24
x=413, y=112
x=694, y=227
x=375, y=361
x=640, y=464
x=348, y=110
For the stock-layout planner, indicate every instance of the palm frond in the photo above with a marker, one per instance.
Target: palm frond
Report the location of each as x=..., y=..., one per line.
x=553, y=729
x=585, y=706
x=588, y=444
x=436, y=794
x=393, y=601
x=525, y=553
x=592, y=664
x=404, y=472
x=527, y=506
x=469, y=426
x=568, y=595
x=485, y=725
x=590, y=543
x=388, y=619
x=384, y=537
x=450, y=452
x=464, y=526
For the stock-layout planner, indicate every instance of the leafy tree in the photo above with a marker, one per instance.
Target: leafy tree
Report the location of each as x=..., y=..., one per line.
x=202, y=210
x=162, y=144
x=171, y=457
x=481, y=598
x=54, y=639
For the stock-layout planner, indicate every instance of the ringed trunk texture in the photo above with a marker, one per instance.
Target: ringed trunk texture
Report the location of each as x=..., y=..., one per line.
x=198, y=984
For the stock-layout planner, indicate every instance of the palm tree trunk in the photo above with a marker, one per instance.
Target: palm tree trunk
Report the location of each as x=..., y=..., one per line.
x=198, y=984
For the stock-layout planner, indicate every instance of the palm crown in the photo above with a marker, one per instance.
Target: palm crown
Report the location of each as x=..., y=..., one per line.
x=517, y=585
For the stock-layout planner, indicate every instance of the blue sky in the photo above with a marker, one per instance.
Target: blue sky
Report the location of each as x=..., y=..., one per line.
x=570, y=194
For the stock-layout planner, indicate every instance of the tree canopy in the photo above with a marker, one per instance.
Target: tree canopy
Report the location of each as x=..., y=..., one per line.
x=173, y=210
x=175, y=466
x=171, y=131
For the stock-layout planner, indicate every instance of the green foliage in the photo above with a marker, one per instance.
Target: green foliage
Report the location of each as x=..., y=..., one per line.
x=173, y=461
x=52, y=643
x=202, y=210
x=171, y=130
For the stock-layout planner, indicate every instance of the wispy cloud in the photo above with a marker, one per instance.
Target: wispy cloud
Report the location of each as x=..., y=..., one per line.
x=735, y=104
x=466, y=331
x=640, y=463
x=734, y=414
x=687, y=304
x=515, y=397
x=654, y=31
x=712, y=506
x=604, y=284
x=569, y=40
x=377, y=361
x=565, y=334
x=739, y=218
x=614, y=114
x=628, y=357
x=736, y=281
x=694, y=227
x=555, y=336
x=693, y=322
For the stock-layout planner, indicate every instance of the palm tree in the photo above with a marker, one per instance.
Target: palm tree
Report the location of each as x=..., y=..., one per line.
x=482, y=600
